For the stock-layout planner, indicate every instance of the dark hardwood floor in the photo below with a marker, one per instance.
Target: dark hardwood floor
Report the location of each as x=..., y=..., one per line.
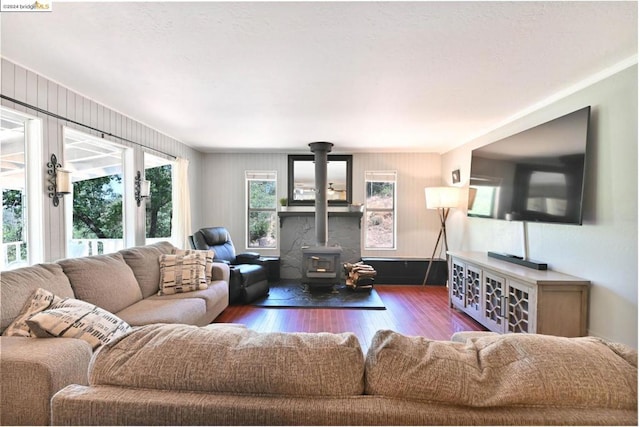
x=411, y=310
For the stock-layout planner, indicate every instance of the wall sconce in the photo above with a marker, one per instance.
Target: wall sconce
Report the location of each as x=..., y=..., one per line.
x=59, y=180
x=142, y=188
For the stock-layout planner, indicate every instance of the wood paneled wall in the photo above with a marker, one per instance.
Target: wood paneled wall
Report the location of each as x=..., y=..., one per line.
x=31, y=88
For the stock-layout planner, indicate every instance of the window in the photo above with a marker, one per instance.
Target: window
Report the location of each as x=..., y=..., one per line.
x=262, y=221
x=20, y=152
x=96, y=222
x=159, y=206
x=380, y=210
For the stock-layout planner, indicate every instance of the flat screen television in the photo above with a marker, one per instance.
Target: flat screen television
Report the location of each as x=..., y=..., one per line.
x=535, y=176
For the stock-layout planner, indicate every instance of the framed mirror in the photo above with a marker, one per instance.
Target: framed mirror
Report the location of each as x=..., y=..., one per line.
x=302, y=181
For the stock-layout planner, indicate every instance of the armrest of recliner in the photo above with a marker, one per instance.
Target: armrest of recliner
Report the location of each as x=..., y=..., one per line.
x=248, y=258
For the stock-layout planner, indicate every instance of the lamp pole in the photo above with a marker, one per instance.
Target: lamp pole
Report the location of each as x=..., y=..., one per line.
x=443, y=213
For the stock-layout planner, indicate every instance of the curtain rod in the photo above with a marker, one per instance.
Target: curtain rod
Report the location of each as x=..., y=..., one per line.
x=103, y=133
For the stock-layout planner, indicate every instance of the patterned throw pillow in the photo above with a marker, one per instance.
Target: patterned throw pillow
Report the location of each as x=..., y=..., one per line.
x=40, y=300
x=209, y=255
x=73, y=318
x=182, y=273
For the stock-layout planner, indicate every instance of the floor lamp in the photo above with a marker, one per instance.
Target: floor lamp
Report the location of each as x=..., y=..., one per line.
x=441, y=199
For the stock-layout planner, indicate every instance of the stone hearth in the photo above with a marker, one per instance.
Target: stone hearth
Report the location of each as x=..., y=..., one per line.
x=297, y=230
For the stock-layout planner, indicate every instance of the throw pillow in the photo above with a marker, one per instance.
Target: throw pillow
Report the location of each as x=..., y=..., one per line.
x=209, y=256
x=40, y=300
x=182, y=273
x=73, y=318
x=103, y=280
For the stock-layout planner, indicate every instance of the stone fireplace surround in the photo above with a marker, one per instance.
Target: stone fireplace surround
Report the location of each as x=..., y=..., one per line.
x=297, y=230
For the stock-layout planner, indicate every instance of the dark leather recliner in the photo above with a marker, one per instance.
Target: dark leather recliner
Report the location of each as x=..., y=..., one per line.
x=248, y=277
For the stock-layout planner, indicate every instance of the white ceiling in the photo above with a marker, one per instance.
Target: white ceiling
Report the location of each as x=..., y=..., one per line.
x=367, y=76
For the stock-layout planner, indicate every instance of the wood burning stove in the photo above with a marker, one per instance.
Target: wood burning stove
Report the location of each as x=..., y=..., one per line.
x=321, y=265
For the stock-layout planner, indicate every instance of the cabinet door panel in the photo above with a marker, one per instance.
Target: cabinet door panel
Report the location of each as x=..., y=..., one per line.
x=520, y=308
x=473, y=291
x=457, y=290
x=494, y=302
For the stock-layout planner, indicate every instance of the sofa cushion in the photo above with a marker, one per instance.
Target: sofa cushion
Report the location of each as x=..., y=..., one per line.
x=503, y=370
x=190, y=311
x=72, y=318
x=182, y=273
x=212, y=295
x=103, y=280
x=232, y=360
x=143, y=261
x=32, y=371
x=208, y=254
x=17, y=287
x=40, y=300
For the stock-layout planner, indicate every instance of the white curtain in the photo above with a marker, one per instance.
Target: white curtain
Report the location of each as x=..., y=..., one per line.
x=181, y=227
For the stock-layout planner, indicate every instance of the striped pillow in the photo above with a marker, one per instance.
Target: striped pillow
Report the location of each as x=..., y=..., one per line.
x=182, y=273
x=40, y=301
x=209, y=255
x=73, y=318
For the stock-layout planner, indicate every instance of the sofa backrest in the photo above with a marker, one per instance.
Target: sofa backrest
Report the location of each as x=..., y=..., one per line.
x=232, y=359
x=112, y=282
x=143, y=261
x=17, y=287
x=103, y=280
x=504, y=370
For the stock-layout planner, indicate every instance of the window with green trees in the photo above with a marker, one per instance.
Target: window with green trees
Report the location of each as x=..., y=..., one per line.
x=261, y=209
x=97, y=169
x=380, y=210
x=159, y=206
x=97, y=208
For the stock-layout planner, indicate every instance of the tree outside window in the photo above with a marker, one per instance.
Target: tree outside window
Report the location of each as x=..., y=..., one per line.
x=261, y=213
x=97, y=208
x=159, y=211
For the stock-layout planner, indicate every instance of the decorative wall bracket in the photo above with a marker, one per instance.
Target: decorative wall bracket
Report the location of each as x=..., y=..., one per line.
x=59, y=180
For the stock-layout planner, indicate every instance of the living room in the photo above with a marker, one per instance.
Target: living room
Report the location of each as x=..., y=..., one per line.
x=602, y=250
x=610, y=219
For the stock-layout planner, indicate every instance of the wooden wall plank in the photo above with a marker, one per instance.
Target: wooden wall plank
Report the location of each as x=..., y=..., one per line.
x=52, y=97
x=7, y=83
x=43, y=91
x=71, y=105
x=20, y=93
x=32, y=88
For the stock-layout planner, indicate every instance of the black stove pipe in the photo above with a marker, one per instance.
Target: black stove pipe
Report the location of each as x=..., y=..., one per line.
x=320, y=151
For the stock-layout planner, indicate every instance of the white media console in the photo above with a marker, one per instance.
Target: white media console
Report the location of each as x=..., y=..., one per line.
x=506, y=297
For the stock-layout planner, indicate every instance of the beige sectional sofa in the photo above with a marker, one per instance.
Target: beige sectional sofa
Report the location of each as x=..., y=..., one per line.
x=125, y=283
x=230, y=375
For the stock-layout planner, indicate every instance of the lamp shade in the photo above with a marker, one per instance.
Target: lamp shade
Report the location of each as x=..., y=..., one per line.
x=63, y=181
x=442, y=197
x=145, y=188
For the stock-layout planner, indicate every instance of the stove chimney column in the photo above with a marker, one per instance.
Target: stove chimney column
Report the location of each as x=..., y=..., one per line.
x=321, y=151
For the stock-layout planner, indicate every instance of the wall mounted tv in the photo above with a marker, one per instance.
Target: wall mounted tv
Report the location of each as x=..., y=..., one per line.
x=535, y=176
